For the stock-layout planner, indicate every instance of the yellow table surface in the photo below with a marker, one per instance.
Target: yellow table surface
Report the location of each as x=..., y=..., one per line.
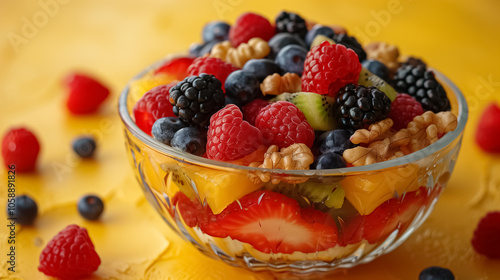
x=115, y=39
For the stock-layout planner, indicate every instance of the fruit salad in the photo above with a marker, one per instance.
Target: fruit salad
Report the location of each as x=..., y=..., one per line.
x=299, y=105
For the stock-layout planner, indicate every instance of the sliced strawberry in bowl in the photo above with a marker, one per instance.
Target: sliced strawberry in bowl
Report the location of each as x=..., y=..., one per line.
x=176, y=67
x=189, y=210
x=272, y=223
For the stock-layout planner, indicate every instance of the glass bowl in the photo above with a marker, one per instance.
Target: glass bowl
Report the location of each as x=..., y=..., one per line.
x=384, y=202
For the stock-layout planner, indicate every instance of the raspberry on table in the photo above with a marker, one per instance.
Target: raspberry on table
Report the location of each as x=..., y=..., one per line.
x=403, y=109
x=213, y=66
x=252, y=109
x=283, y=124
x=248, y=26
x=153, y=105
x=420, y=83
x=69, y=255
x=196, y=98
x=20, y=147
x=488, y=130
x=328, y=67
x=85, y=93
x=486, y=240
x=357, y=107
x=230, y=137
x=291, y=23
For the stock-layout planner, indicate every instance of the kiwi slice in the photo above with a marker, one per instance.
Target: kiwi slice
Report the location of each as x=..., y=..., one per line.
x=368, y=79
x=317, y=108
x=320, y=39
x=332, y=194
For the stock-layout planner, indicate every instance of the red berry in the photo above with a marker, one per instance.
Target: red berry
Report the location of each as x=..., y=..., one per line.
x=488, y=130
x=274, y=223
x=189, y=210
x=176, y=67
x=252, y=109
x=486, y=240
x=153, y=105
x=283, y=124
x=403, y=109
x=248, y=26
x=229, y=136
x=20, y=148
x=69, y=255
x=85, y=94
x=328, y=67
x=213, y=66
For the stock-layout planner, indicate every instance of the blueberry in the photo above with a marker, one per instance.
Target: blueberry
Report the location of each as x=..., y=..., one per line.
x=207, y=48
x=377, y=68
x=317, y=30
x=164, y=129
x=195, y=49
x=84, y=147
x=329, y=160
x=436, y=273
x=230, y=100
x=216, y=31
x=242, y=86
x=291, y=59
x=335, y=141
x=261, y=68
x=192, y=140
x=25, y=210
x=281, y=40
x=90, y=207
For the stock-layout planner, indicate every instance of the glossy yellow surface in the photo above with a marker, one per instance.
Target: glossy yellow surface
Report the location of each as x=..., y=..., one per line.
x=115, y=39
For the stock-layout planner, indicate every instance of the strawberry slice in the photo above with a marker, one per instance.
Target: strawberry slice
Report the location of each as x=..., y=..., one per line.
x=176, y=67
x=272, y=223
x=209, y=223
x=86, y=94
x=389, y=216
x=189, y=210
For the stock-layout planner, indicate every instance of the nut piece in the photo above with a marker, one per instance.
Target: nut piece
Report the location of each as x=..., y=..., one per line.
x=426, y=128
x=254, y=48
x=293, y=157
x=374, y=132
x=275, y=84
x=423, y=131
x=385, y=53
x=219, y=50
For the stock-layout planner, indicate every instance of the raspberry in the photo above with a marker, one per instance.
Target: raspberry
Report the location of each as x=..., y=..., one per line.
x=328, y=67
x=283, y=124
x=488, y=131
x=229, y=136
x=152, y=106
x=20, y=148
x=85, y=94
x=248, y=26
x=486, y=240
x=213, y=66
x=403, y=109
x=69, y=255
x=252, y=109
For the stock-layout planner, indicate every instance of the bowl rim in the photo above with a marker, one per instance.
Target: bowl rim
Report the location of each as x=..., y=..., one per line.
x=152, y=143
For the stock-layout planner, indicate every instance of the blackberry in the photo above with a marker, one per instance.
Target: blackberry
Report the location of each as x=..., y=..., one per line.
x=359, y=106
x=291, y=23
x=350, y=43
x=196, y=98
x=413, y=61
x=420, y=83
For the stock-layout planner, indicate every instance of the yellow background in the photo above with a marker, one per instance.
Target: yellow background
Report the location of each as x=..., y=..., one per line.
x=115, y=39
